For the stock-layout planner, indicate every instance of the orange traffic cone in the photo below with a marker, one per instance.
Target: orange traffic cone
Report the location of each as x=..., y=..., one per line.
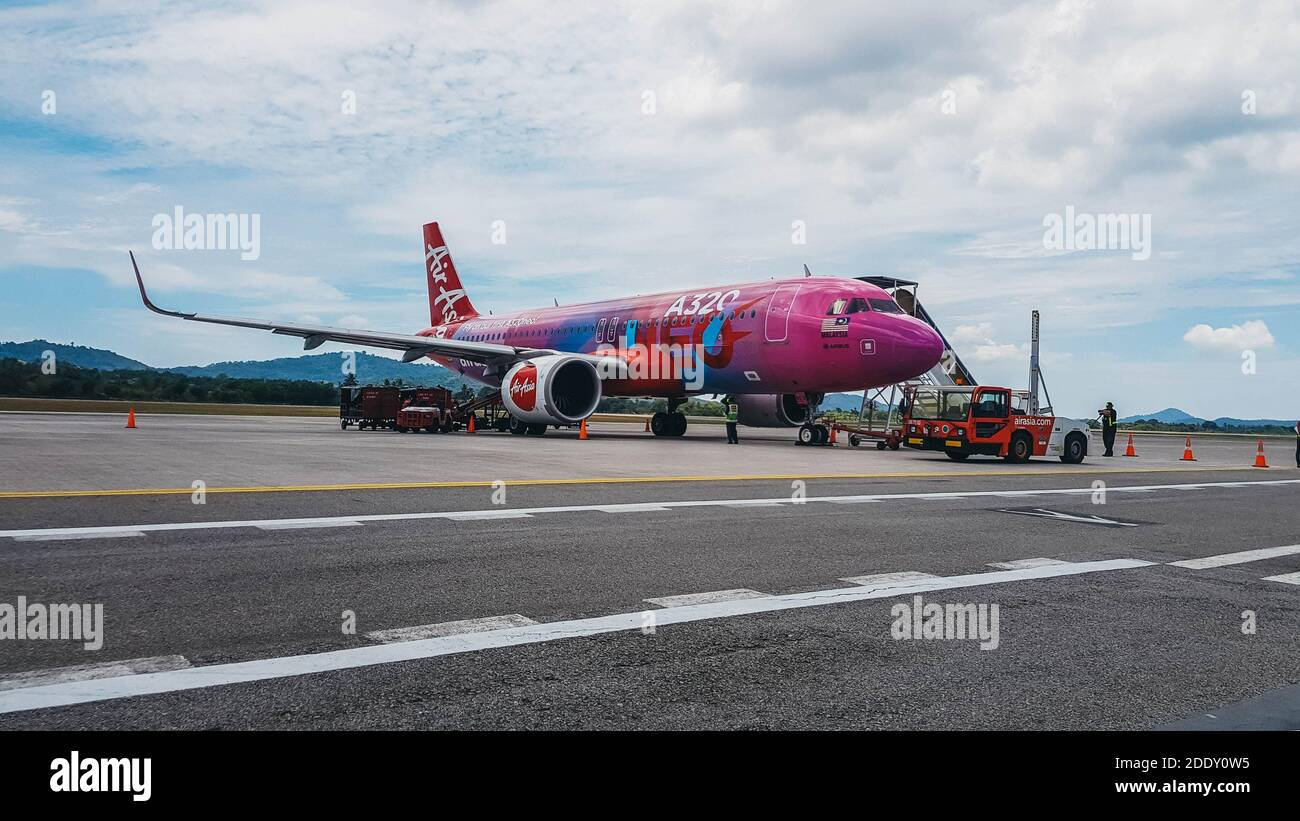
x=471, y=423
x=647, y=424
x=1129, y=450
x=1188, y=456
x=1260, y=462
x=832, y=439
x=582, y=430
x=130, y=418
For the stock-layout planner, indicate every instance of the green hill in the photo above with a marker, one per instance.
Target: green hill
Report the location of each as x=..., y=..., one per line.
x=97, y=358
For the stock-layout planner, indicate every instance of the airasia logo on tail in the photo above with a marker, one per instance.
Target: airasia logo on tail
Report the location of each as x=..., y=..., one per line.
x=523, y=388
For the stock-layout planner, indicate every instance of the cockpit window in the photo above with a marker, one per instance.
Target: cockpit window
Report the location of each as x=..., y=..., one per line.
x=886, y=306
x=856, y=305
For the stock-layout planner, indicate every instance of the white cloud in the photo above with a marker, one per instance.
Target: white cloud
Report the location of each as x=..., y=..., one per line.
x=975, y=342
x=1250, y=335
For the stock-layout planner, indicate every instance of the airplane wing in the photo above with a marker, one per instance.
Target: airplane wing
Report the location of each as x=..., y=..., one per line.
x=415, y=347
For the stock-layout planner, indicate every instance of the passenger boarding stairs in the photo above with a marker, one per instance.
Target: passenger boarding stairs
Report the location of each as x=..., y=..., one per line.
x=879, y=410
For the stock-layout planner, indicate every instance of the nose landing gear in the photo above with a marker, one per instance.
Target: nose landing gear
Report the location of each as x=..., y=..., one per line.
x=813, y=433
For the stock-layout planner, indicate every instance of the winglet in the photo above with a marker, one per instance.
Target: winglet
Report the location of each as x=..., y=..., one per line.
x=145, y=296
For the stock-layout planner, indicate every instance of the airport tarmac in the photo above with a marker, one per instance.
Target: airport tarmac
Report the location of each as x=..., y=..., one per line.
x=78, y=452
x=759, y=598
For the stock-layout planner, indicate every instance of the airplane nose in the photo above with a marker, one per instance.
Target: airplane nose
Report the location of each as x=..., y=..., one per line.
x=917, y=347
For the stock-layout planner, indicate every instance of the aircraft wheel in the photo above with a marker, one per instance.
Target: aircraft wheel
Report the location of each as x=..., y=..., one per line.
x=517, y=426
x=679, y=424
x=807, y=435
x=537, y=430
x=660, y=424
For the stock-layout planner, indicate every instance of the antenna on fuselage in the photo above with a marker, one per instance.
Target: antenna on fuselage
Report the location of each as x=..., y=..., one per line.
x=556, y=301
x=806, y=272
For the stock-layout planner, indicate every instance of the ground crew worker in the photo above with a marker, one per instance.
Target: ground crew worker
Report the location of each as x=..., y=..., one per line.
x=733, y=416
x=1297, y=444
x=1109, y=426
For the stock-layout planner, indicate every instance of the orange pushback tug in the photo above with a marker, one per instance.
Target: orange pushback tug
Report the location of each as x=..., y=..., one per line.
x=962, y=420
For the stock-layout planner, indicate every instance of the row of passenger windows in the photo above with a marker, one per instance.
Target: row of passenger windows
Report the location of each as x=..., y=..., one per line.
x=601, y=329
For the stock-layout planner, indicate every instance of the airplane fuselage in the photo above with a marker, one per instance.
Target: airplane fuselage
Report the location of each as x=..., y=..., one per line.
x=810, y=334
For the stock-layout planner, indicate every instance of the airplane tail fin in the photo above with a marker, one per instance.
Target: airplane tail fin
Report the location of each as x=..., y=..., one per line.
x=448, y=301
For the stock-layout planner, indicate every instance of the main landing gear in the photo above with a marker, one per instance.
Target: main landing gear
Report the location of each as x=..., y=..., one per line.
x=521, y=428
x=672, y=423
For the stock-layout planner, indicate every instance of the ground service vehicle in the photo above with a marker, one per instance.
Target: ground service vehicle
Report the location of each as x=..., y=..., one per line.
x=417, y=417
x=369, y=406
x=963, y=420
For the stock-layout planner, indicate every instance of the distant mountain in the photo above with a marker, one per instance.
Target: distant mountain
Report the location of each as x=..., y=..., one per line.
x=328, y=367
x=78, y=355
x=1174, y=416
x=1229, y=422
x=841, y=402
x=1171, y=416
x=324, y=367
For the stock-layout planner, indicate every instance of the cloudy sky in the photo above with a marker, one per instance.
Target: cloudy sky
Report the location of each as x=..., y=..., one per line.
x=635, y=147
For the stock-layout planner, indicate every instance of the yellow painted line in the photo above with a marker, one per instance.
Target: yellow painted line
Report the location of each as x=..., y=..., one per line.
x=611, y=480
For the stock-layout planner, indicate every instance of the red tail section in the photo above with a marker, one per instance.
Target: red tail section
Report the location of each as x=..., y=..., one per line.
x=448, y=301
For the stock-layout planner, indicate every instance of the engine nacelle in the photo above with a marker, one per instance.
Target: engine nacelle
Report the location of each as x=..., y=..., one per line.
x=551, y=390
x=771, y=410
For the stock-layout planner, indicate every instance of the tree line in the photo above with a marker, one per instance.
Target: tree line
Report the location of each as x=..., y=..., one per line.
x=26, y=379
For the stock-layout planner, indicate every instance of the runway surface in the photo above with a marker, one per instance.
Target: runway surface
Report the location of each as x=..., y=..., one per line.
x=703, y=593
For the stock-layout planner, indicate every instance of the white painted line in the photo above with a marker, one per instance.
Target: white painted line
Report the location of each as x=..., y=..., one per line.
x=1241, y=557
x=857, y=501
x=305, y=525
x=475, y=515
x=1016, y=564
x=487, y=515
x=877, y=579
x=59, y=695
x=59, y=537
x=450, y=628
x=90, y=672
x=1285, y=578
x=712, y=597
x=646, y=508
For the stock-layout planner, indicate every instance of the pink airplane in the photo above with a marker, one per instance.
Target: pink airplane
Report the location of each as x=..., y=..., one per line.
x=778, y=346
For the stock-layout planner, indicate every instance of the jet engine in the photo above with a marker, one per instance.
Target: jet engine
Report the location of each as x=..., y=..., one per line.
x=551, y=390
x=771, y=410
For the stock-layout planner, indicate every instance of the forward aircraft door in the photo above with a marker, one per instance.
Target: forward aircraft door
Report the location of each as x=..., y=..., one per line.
x=776, y=326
